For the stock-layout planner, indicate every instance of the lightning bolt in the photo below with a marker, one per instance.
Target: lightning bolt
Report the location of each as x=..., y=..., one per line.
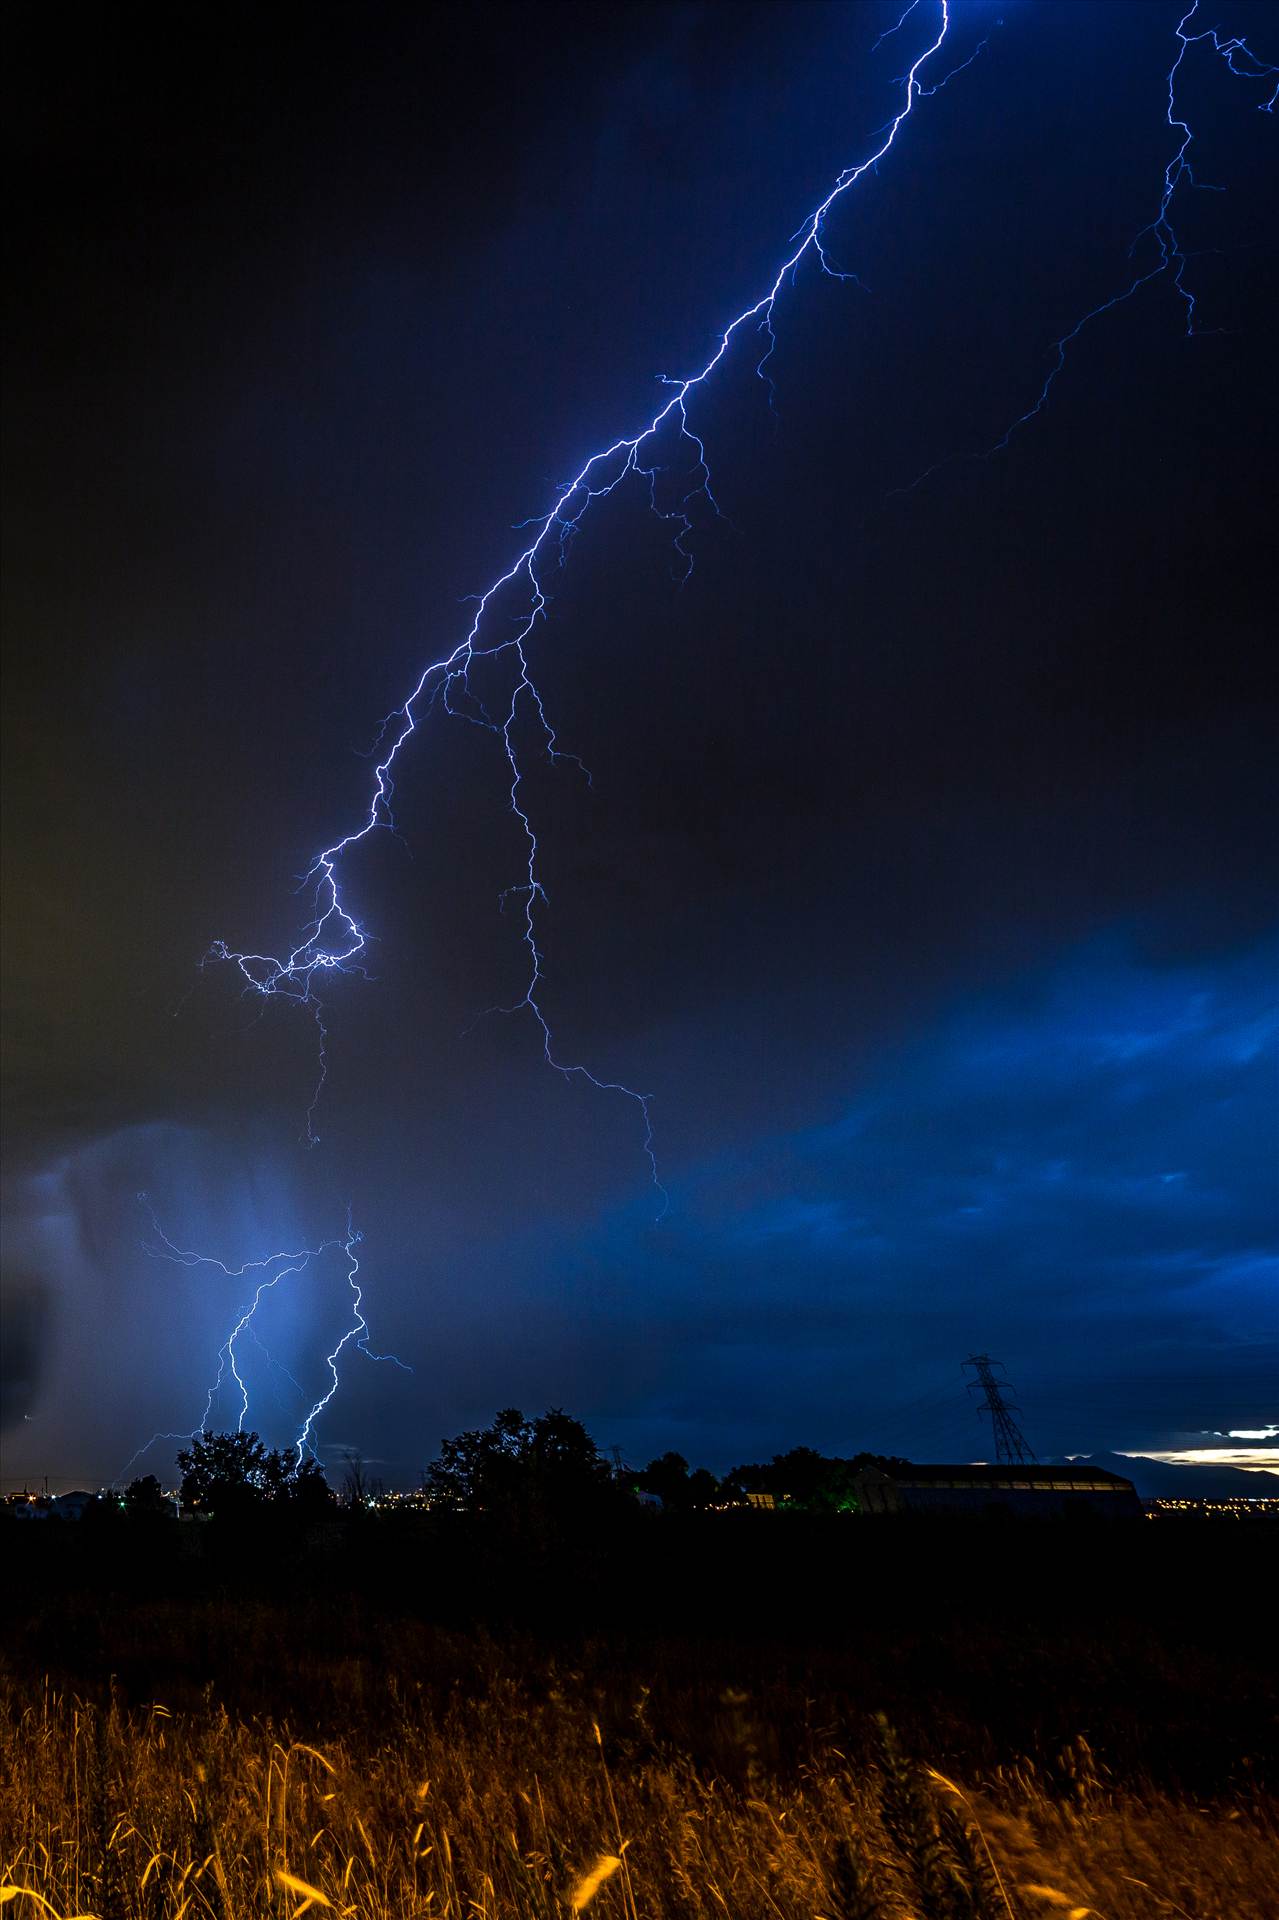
x=1166, y=255
x=357, y=1331
x=273, y=1268
x=334, y=941
x=668, y=457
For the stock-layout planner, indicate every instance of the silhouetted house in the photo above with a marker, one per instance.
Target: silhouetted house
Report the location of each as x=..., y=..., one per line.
x=73, y=1506
x=59, y=1506
x=1025, y=1492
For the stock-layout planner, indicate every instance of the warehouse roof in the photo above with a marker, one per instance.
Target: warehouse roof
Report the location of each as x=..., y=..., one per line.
x=1004, y=1476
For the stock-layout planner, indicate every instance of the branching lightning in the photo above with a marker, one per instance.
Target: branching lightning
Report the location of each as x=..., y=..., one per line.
x=334, y=941
x=266, y=1274
x=1166, y=255
x=668, y=457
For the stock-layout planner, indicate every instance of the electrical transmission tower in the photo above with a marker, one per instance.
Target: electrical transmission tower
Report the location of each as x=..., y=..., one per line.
x=1010, y=1442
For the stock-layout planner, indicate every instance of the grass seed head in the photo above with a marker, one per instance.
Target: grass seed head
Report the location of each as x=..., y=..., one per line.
x=590, y=1883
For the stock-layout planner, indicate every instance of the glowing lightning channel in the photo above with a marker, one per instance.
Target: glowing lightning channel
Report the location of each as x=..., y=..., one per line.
x=896, y=27
x=1169, y=255
x=333, y=940
x=273, y=1268
x=357, y=1331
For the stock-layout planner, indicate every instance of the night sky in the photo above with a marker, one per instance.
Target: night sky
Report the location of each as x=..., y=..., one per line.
x=927, y=880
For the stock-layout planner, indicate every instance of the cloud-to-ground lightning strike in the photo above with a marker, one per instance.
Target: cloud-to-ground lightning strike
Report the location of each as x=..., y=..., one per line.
x=1168, y=257
x=272, y=1268
x=357, y=1331
x=333, y=941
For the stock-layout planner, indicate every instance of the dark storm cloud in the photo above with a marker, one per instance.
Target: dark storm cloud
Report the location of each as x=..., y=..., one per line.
x=928, y=860
x=1081, y=1172
x=24, y=1345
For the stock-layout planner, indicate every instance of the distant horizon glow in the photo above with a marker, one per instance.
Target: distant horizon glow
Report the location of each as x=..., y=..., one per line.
x=1250, y=1459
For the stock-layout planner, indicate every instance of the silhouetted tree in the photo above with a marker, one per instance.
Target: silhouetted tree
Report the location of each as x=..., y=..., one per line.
x=817, y=1482
x=802, y=1477
x=355, y=1484
x=532, y=1476
x=750, y=1477
x=276, y=1467
x=145, y=1499
x=233, y=1473
x=298, y=1483
x=667, y=1478
x=309, y=1491
x=223, y=1472
x=703, y=1488
x=678, y=1490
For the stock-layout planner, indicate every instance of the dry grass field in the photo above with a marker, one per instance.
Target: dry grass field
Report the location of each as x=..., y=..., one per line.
x=230, y=1754
x=511, y=1805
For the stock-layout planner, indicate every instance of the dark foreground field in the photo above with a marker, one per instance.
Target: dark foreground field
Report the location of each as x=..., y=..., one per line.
x=755, y=1715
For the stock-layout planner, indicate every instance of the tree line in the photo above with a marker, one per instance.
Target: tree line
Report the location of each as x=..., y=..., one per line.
x=521, y=1471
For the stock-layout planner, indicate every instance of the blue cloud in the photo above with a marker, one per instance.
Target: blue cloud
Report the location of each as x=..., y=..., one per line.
x=1078, y=1174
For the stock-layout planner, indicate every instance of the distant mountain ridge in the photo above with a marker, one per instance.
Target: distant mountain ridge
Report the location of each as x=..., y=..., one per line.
x=1158, y=1480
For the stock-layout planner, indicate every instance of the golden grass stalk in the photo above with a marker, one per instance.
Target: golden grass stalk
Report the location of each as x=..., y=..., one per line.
x=1056, y=1898
x=590, y=1883
x=311, y=1896
x=10, y=1891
